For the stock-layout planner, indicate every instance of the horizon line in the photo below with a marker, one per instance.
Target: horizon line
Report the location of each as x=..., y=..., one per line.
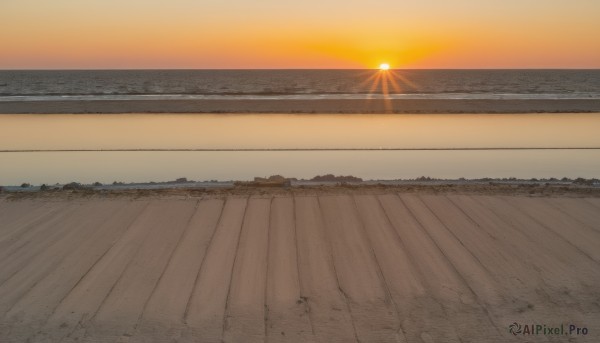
x=299, y=68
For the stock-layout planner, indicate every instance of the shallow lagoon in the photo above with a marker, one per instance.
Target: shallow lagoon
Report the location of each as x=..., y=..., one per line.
x=220, y=131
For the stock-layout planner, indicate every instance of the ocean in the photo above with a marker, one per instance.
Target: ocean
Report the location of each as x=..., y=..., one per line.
x=44, y=85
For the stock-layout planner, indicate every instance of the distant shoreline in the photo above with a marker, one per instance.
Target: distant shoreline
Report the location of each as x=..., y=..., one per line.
x=324, y=106
x=547, y=186
x=558, y=188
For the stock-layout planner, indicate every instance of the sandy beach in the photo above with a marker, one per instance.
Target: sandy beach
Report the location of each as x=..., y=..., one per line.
x=304, y=106
x=301, y=265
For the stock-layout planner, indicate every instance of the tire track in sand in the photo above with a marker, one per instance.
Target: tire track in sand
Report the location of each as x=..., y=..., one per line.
x=329, y=312
x=123, y=306
x=584, y=238
x=41, y=301
x=404, y=282
x=581, y=211
x=475, y=286
x=371, y=308
x=36, y=260
x=77, y=312
x=163, y=315
x=288, y=316
x=546, y=296
x=206, y=309
x=245, y=308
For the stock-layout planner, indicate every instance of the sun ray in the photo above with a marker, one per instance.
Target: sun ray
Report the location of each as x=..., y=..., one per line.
x=369, y=79
x=375, y=84
x=404, y=80
x=395, y=86
x=384, y=84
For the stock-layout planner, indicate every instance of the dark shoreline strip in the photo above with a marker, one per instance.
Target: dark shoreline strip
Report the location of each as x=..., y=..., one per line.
x=299, y=149
x=324, y=106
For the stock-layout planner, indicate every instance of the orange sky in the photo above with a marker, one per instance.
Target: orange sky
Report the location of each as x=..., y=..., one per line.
x=300, y=34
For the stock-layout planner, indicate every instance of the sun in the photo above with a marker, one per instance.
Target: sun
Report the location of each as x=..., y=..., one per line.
x=384, y=66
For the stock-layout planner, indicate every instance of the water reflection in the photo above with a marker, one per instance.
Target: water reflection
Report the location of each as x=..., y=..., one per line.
x=210, y=131
x=106, y=167
x=221, y=131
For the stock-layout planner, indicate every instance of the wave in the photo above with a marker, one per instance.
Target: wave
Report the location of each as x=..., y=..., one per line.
x=309, y=84
x=306, y=96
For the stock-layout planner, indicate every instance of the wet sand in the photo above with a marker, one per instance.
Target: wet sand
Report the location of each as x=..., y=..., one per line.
x=303, y=106
x=368, y=265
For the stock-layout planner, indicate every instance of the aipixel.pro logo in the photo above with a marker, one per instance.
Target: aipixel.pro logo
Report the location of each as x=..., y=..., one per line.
x=547, y=330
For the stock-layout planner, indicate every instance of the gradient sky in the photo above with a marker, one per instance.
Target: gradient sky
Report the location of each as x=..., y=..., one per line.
x=82, y=34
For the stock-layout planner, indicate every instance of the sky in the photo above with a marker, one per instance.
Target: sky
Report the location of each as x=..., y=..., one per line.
x=199, y=34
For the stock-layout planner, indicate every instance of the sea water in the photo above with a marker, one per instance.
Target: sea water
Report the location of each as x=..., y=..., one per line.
x=296, y=84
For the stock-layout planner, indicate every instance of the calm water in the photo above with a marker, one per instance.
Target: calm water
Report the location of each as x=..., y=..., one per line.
x=213, y=131
x=106, y=167
x=298, y=84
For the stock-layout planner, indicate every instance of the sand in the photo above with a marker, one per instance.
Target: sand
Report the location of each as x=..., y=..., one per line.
x=303, y=106
x=368, y=265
